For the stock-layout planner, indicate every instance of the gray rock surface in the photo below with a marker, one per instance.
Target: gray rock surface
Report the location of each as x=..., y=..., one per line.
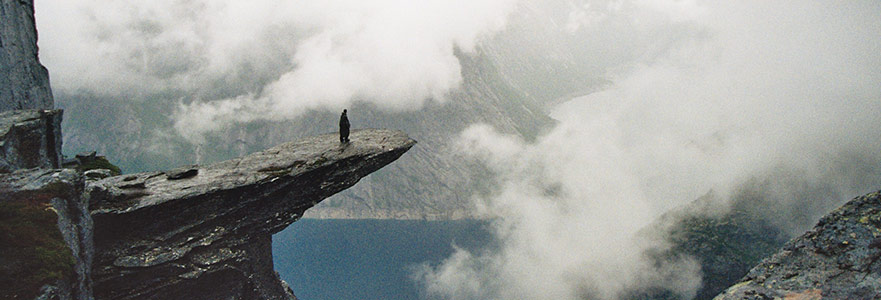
x=97, y=174
x=837, y=259
x=60, y=190
x=209, y=235
x=24, y=82
x=30, y=139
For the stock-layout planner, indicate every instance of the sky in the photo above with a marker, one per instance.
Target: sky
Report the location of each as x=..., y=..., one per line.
x=702, y=97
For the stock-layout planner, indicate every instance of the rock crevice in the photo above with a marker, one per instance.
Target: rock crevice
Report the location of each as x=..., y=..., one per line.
x=30, y=139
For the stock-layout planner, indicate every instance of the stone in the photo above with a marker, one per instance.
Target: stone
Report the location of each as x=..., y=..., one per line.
x=97, y=174
x=24, y=82
x=181, y=173
x=837, y=259
x=209, y=236
x=53, y=244
x=30, y=139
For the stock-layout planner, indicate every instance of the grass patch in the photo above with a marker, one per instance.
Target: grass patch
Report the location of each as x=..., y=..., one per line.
x=100, y=162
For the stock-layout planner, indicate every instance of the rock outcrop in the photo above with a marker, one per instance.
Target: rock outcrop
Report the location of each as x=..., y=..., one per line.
x=206, y=232
x=46, y=242
x=837, y=259
x=24, y=82
x=30, y=139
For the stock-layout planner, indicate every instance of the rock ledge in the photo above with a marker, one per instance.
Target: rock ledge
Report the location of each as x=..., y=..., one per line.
x=208, y=235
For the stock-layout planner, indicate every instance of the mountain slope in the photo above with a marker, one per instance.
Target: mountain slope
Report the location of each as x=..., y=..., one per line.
x=837, y=259
x=431, y=182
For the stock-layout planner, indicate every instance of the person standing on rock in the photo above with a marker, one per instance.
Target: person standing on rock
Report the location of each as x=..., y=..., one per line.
x=344, y=128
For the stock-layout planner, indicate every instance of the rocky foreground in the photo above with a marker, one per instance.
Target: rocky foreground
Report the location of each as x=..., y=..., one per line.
x=197, y=232
x=840, y=258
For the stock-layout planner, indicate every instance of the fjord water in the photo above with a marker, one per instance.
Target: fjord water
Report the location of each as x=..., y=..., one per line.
x=367, y=259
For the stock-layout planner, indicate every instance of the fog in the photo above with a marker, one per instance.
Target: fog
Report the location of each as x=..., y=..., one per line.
x=702, y=97
x=779, y=92
x=234, y=62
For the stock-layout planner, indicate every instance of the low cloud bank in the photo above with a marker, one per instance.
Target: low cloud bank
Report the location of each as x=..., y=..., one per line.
x=783, y=93
x=232, y=61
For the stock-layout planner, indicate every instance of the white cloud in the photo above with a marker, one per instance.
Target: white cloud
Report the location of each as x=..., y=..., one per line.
x=774, y=90
x=234, y=61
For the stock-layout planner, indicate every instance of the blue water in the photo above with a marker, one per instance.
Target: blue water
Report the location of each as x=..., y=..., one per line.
x=366, y=259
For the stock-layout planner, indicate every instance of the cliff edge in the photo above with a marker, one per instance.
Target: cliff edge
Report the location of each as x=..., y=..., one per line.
x=24, y=82
x=206, y=232
x=837, y=259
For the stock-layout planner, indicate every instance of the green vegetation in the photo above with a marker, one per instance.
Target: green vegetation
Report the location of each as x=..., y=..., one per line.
x=32, y=249
x=727, y=247
x=100, y=162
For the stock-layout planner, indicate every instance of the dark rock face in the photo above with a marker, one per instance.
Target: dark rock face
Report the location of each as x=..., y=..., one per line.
x=837, y=259
x=24, y=82
x=207, y=234
x=49, y=250
x=30, y=139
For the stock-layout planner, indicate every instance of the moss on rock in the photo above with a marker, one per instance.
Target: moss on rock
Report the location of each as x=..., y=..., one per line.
x=100, y=162
x=32, y=248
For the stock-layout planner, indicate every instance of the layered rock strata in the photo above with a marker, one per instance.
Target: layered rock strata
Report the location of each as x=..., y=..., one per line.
x=30, y=139
x=840, y=258
x=24, y=82
x=206, y=232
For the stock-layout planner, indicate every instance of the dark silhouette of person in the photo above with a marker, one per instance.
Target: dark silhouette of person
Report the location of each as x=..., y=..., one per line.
x=344, y=128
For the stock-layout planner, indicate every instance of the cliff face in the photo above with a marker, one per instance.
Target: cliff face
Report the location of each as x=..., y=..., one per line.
x=46, y=244
x=205, y=232
x=30, y=139
x=837, y=259
x=190, y=233
x=24, y=82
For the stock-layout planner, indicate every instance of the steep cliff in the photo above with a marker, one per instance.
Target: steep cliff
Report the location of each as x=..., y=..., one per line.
x=205, y=232
x=837, y=259
x=24, y=82
x=45, y=236
x=30, y=139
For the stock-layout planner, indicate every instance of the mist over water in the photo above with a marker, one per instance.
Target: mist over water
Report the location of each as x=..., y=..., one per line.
x=785, y=94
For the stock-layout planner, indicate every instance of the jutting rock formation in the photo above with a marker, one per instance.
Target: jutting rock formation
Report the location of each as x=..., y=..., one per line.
x=24, y=82
x=840, y=258
x=206, y=232
x=190, y=233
